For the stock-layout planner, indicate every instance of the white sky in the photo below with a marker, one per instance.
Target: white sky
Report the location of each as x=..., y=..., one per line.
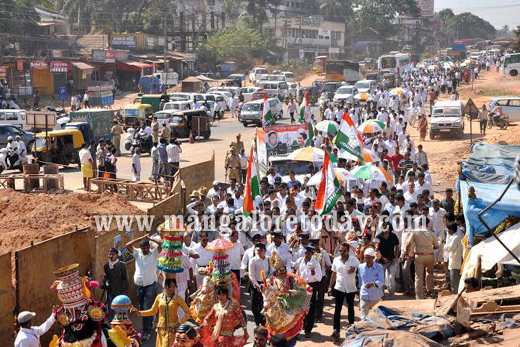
x=497, y=12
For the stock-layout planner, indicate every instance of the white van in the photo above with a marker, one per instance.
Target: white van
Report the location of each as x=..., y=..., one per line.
x=447, y=119
x=13, y=117
x=251, y=112
x=289, y=77
x=256, y=74
x=510, y=106
x=366, y=86
x=177, y=106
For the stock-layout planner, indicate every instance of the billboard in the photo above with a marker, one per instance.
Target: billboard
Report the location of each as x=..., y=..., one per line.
x=284, y=139
x=426, y=7
x=124, y=42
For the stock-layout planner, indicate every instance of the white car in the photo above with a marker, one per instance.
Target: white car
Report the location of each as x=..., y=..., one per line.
x=248, y=92
x=447, y=119
x=510, y=106
x=227, y=98
x=366, y=86
x=251, y=112
x=289, y=77
x=256, y=74
x=345, y=94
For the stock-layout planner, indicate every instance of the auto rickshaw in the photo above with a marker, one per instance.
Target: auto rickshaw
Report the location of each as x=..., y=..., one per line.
x=135, y=114
x=196, y=121
x=59, y=146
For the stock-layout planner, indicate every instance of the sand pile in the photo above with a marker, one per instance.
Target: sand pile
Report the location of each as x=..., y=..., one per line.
x=26, y=218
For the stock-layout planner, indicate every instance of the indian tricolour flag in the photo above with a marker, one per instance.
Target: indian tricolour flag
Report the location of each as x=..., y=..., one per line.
x=267, y=114
x=349, y=138
x=252, y=186
x=304, y=108
x=329, y=190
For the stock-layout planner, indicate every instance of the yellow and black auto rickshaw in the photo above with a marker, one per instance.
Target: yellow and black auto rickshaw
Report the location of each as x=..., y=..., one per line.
x=135, y=114
x=59, y=146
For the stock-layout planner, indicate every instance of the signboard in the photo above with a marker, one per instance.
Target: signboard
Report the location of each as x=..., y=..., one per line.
x=124, y=42
x=98, y=55
x=426, y=7
x=453, y=52
x=57, y=53
x=110, y=56
x=302, y=54
x=160, y=41
x=3, y=71
x=40, y=119
x=261, y=152
x=19, y=64
x=59, y=66
x=334, y=50
x=62, y=93
x=122, y=55
x=39, y=65
x=150, y=42
x=471, y=108
x=283, y=139
x=323, y=32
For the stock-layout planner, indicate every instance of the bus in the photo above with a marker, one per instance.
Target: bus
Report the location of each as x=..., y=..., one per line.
x=396, y=63
x=319, y=64
x=511, y=64
x=343, y=70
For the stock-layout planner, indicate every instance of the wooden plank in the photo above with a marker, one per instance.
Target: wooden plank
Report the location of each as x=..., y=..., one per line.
x=6, y=301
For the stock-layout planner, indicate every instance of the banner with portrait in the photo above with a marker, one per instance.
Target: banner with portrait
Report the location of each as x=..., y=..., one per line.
x=261, y=152
x=285, y=139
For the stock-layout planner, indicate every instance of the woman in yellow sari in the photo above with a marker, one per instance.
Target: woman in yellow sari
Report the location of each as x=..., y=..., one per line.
x=167, y=304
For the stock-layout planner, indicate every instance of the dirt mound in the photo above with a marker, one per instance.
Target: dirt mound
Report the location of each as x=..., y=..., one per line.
x=511, y=135
x=26, y=218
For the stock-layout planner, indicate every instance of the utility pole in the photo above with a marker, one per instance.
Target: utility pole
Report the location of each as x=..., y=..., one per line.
x=165, y=68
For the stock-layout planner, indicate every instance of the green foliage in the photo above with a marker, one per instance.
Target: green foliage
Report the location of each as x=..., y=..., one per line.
x=379, y=16
x=465, y=25
x=505, y=31
x=515, y=45
x=257, y=10
x=241, y=45
x=19, y=21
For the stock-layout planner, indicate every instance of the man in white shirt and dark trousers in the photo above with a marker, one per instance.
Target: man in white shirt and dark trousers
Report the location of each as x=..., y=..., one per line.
x=29, y=336
x=145, y=276
x=310, y=270
x=174, y=150
x=258, y=264
x=343, y=286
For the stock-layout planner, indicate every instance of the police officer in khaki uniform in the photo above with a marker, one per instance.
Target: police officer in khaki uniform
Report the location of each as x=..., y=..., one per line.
x=155, y=129
x=117, y=131
x=239, y=145
x=232, y=164
x=165, y=132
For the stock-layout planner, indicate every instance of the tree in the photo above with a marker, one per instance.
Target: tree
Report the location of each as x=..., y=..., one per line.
x=380, y=16
x=241, y=45
x=468, y=26
x=505, y=32
x=337, y=9
x=19, y=25
x=515, y=45
x=258, y=9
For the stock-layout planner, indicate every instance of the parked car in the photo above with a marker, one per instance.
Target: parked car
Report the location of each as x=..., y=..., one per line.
x=13, y=117
x=248, y=92
x=510, y=106
x=289, y=77
x=447, y=119
x=177, y=106
x=7, y=130
x=256, y=74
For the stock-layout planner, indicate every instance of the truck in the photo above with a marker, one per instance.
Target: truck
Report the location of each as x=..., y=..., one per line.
x=94, y=124
x=169, y=79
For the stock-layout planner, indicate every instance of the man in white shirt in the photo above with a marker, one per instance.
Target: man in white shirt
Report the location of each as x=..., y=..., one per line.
x=258, y=264
x=310, y=270
x=204, y=255
x=87, y=164
x=436, y=216
x=421, y=184
x=454, y=248
x=343, y=286
x=235, y=254
x=411, y=194
x=281, y=248
x=145, y=276
x=29, y=336
x=173, y=150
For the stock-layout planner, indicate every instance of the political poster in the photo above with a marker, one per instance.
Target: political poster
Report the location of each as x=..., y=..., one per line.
x=261, y=152
x=285, y=139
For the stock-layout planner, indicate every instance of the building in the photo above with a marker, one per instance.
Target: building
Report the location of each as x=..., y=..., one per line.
x=54, y=22
x=305, y=37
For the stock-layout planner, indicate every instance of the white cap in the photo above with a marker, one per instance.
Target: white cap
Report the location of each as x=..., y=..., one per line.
x=9, y=138
x=25, y=316
x=215, y=183
x=370, y=251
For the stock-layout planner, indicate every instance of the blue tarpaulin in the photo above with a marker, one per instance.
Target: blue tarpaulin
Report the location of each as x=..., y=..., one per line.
x=488, y=154
x=495, y=174
x=486, y=194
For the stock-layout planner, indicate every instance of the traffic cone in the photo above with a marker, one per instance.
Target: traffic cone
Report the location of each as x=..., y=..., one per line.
x=192, y=139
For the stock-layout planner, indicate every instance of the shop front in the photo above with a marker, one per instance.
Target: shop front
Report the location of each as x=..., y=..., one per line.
x=81, y=75
x=43, y=82
x=60, y=70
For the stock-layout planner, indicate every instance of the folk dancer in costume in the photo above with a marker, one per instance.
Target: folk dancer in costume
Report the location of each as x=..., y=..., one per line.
x=167, y=305
x=81, y=317
x=286, y=301
x=123, y=333
x=225, y=317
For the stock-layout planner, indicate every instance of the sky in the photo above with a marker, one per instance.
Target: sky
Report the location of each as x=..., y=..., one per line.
x=497, y=12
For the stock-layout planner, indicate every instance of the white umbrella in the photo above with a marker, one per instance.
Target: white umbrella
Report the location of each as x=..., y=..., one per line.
x=342, y=174
x=364, y=97
x=311, y=154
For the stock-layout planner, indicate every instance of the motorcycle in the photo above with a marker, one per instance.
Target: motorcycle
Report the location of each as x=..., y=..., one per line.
x=60, y=112
x=500, y=121
x=6, y=155
x=142, y=142
x=129, y=138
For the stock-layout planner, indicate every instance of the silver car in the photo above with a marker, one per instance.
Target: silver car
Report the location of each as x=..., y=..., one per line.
x=7, y=130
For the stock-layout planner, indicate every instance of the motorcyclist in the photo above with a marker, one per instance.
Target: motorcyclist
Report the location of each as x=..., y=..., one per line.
x=22, y=149
x=497, y=114
x=146, y=133
x=12, y=148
